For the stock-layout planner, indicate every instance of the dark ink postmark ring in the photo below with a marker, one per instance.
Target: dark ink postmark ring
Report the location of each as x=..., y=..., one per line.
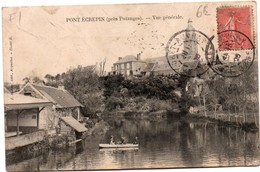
x=188, y=51
x=235, y=55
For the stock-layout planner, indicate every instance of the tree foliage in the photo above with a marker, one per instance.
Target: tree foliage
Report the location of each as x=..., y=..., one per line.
x=160, y=87
x=83, y=83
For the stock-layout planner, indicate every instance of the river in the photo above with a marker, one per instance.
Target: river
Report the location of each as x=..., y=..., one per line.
x=164, y=143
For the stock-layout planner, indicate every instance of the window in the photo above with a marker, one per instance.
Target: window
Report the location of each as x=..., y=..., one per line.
x=27, y=93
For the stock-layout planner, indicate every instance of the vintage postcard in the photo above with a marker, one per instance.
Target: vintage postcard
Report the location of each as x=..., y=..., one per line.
x=133, y=86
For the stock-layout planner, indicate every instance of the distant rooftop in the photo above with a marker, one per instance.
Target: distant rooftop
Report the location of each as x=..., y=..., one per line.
x=128, y=58
x=162, y=64
x=149, y=67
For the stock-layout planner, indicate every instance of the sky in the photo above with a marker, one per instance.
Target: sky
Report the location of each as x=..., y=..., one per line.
x=47, y=40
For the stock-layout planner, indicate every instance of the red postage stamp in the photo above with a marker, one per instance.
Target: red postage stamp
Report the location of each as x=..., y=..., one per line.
x=235, y=25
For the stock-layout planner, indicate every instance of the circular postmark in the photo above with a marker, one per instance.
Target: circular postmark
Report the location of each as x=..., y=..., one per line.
x=235, y=54
x=186, y=52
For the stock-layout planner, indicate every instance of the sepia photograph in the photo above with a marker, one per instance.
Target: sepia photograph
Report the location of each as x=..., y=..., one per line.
x=130, y=86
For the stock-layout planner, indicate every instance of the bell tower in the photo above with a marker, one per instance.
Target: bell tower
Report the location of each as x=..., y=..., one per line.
x=190, y=49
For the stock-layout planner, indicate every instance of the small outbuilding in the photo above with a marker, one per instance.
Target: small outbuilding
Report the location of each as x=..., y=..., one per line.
x=64, y=104
x=22, y=119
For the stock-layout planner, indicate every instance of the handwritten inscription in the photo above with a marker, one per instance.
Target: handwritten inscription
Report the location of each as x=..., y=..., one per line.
x=202, y=10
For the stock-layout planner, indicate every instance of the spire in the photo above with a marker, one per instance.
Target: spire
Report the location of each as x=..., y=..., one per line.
x=189, y=21
x=190, y=45
x=190, y=27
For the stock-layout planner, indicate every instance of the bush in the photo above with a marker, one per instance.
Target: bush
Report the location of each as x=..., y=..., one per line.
x=113, y=103
x=157, y=105
x=159, y=87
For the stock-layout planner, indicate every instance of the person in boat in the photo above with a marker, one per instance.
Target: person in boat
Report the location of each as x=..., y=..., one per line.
x=123, y=141
x=136, y=141
x=112, y=142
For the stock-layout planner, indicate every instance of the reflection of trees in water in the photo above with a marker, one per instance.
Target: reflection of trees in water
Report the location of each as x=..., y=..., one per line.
x=67, y=157
x=47, y=160
x=146, y=130
x=26, y=165
x=194, y=140
x=59, y=158
x=204, y=143
x=189, y=143
x=234, y=145
x=190, y=152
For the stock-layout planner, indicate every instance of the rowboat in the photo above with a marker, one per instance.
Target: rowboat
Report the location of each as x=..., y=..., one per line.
x=118, y=149
x=118, y=145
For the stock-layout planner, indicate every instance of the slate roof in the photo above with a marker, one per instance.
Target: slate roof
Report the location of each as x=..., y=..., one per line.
x=161, y=64
x=61, y=97
x=129, y=58
x=17, y=101
x=149, y=67
x=190, y=65
x=73, y=123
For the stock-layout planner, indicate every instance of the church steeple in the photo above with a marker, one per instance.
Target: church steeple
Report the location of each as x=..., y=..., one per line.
x=190, y=27
x=190, y=43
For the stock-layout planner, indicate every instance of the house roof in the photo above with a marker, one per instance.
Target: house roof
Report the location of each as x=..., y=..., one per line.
x=149, y=67
x=187, y=65
x=73, y=123
x=61, y=97
x=17, y=101
x=162, y=64
x=128, y=58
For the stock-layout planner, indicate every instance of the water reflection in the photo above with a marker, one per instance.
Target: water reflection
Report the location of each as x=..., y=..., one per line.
x=164, y=143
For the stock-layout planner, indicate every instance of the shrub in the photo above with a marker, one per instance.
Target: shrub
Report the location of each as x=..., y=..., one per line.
x=114, y=102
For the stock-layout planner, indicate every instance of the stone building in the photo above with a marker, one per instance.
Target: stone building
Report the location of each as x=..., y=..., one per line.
x=187, y=59
x=64, y=105
x=129, y=65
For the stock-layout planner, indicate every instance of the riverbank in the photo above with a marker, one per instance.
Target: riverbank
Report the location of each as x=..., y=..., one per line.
x=151, y=115
x=223, y=120
x=220, y=119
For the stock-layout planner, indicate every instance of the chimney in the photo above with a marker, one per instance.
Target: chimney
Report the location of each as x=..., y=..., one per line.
x=138, y=57
x=119, y=58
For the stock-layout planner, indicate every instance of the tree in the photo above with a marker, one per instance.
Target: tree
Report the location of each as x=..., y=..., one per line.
x=84, y=84
x=112, y=84
x=32, y=79
x=102, y=65
x=237, y=95
x=36, y=79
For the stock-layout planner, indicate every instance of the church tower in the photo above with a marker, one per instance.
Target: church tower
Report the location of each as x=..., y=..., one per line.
x=190, y=49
